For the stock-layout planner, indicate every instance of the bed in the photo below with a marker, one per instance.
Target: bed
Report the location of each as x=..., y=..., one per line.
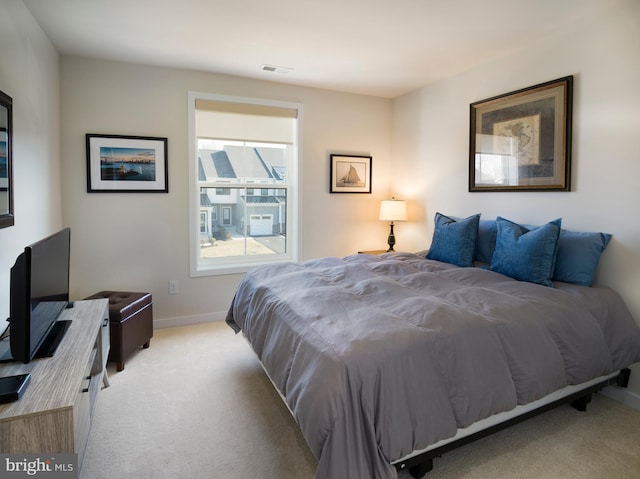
x=388, y=361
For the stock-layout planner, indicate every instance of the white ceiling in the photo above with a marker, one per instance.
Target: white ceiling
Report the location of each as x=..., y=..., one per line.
x=376, y=47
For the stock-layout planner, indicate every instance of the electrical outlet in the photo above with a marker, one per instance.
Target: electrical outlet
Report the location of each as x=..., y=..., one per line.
x=173, y=286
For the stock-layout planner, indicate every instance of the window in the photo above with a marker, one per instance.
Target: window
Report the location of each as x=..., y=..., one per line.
x=203, y=223
x=244, y=175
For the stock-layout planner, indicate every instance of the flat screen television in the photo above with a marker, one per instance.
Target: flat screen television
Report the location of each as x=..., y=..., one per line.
x=39, y=292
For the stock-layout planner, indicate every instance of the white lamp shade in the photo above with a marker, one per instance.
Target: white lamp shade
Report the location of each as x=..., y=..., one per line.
x=393, y=210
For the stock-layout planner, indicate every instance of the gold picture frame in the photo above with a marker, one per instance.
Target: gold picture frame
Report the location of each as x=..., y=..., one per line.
x=521, y=141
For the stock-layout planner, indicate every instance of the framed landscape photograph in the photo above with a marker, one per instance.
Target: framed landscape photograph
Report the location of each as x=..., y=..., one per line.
x=521, y=141
x=126, y=164
x=350, y=174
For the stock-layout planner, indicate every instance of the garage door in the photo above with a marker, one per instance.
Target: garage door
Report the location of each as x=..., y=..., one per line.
x=261, y=225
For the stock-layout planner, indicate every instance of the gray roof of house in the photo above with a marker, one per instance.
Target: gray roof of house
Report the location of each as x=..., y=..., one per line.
x=242, y=163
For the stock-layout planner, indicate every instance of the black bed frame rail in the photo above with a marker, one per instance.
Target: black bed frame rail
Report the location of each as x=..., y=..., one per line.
x=420, y=464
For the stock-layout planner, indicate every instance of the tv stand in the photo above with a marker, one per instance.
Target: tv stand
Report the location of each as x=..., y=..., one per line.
x=54, y=413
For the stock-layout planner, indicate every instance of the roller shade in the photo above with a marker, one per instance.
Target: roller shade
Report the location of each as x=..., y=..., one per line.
x=245, y=108
x=245, y=122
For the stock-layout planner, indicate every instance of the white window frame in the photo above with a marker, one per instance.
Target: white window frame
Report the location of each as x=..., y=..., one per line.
x=242, y=264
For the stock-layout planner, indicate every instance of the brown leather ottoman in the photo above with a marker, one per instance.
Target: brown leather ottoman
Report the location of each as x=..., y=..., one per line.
x=130, y=323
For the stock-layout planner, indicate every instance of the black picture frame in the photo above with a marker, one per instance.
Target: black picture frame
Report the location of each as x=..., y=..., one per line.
x=350, y=173
x=126, y=164
x=521, y=141
x=7, y=208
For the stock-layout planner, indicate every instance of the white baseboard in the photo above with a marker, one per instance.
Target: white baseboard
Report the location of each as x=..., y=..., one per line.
x=623, y=396
x=188, y=320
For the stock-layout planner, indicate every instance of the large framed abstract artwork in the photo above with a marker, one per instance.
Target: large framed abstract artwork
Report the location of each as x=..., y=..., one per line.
x=521, y=141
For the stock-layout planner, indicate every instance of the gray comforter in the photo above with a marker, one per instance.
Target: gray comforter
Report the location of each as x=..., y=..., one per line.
x=378, y=356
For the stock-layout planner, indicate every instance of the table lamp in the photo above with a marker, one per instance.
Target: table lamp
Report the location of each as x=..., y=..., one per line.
x=392, y=210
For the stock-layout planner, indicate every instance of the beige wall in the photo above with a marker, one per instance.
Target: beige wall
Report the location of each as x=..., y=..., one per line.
x=140, y=241
x=431, y=142
x=29, y=75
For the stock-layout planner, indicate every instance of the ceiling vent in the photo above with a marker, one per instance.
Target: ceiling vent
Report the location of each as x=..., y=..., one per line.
x=276, y=69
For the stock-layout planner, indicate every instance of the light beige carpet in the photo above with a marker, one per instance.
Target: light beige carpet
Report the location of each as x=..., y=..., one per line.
x=197, y=404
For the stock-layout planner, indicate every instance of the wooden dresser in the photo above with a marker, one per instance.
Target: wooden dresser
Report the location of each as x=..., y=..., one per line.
x=54, y=414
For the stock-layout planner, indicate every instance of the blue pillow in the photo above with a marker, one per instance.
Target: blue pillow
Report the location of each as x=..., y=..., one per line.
x=454, y=241
x=486, y=240
x=578, y=256
x=526, y=254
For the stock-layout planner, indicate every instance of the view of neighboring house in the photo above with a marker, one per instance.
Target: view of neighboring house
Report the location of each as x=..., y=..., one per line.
x=225, y=210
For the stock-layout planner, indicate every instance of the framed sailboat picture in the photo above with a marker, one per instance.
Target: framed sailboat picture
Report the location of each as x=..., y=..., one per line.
x=350, y=174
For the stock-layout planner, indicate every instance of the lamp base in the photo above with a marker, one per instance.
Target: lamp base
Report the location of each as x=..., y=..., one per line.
x=391, y=240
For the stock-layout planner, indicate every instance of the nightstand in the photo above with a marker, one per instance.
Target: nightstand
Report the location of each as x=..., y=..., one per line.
x=373, y=251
